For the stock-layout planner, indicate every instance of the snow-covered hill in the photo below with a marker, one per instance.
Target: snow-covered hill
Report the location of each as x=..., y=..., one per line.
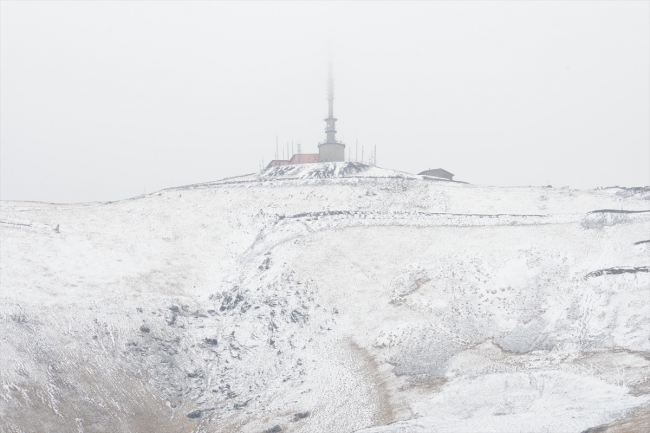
x=327, y=298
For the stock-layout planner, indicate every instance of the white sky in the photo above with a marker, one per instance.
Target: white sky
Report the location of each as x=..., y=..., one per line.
x=102, y=100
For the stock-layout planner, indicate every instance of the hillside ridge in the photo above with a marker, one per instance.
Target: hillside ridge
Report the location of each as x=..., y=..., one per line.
x=337, y=297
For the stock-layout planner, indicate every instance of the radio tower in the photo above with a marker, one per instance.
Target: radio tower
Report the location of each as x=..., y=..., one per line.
x=331, y=150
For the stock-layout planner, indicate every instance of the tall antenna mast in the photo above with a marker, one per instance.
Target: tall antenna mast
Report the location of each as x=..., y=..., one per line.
x=331, y=150
x=330, y=129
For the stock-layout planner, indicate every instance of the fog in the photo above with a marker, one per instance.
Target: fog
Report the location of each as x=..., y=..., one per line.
x=107, y=100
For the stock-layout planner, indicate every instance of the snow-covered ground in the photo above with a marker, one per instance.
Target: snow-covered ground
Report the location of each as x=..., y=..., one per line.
x=327, y=298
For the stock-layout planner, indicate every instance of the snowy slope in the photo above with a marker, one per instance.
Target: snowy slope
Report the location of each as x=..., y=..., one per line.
x=327, y=298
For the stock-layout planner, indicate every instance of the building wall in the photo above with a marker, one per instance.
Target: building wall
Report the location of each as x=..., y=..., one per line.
x=277, y=163
x=304, y=158
x=331, y=152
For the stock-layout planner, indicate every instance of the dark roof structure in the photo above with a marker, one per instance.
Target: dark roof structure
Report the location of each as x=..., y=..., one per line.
x=438, y=172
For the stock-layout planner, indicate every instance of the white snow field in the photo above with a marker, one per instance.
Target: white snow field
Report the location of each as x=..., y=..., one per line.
x=328, y=298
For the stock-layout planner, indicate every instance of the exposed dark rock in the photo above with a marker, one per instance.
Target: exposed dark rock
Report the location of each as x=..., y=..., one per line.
x=321, y=171
x=271, y=302
x=642, y=242
x=194, y=414
x=211, y=341
x=642, y=191
x=145, y=329
x=229, y=302
x=298, y=316
x=300, y=415
x=599, y=429
x=242, y=405
x=274, y=429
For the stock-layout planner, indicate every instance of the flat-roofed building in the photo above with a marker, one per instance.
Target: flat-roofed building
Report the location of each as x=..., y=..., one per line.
x=277, y=163
x=297, y=158
x=304, y=158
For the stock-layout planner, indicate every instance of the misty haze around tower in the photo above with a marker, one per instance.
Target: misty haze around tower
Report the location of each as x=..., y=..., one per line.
x=102, y=101
x=331, y=150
